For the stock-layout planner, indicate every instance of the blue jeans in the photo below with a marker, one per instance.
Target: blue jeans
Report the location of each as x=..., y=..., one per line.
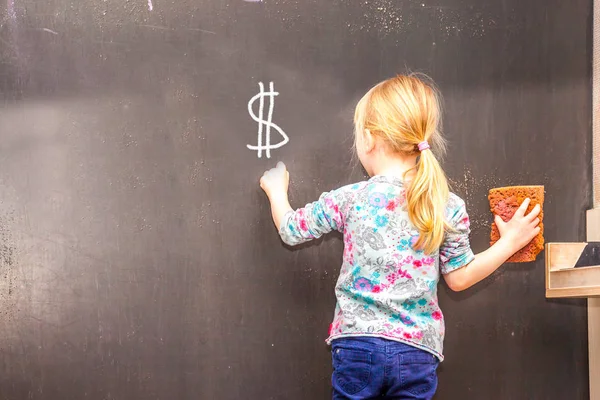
x=373, y=368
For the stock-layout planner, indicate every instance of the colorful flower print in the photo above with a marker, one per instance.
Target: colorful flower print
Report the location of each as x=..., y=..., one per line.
x=363, y=284
x=378, y=200
x=381, y=221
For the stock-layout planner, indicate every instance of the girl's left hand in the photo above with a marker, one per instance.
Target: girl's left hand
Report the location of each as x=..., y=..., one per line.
x=522, y=228
x=275, y=181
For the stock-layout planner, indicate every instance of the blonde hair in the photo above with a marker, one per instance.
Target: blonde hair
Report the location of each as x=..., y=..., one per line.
x=405, y=111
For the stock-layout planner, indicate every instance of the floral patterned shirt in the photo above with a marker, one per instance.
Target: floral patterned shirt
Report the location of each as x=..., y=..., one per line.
x=386, y=287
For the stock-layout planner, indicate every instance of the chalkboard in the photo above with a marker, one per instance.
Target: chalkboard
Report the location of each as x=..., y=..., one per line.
x=137, y=255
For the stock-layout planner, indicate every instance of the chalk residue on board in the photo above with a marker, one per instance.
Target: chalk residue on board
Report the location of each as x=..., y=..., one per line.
x=50, y=31
x=391, y=17
x=8, y=269
x=12, y=14
x=383, y=16
x=473, y=191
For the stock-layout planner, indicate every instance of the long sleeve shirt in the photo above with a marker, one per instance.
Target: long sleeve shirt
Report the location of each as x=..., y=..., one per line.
x=386, y=288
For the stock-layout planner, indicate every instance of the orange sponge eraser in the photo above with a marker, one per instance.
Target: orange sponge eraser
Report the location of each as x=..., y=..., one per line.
x=504, y=202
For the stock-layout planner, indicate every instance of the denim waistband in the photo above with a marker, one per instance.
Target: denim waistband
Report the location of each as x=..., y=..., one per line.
x=375, y=343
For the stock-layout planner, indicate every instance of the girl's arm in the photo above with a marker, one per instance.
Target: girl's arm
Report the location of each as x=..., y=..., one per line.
x=307, y=223
x=275, y=183
x=515, y=235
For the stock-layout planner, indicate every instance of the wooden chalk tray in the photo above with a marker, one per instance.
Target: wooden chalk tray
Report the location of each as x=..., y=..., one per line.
x=573, y=270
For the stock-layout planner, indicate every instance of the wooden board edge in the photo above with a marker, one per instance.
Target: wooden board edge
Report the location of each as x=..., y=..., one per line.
x=580, y=292
x=567, y=270
x=593, y=234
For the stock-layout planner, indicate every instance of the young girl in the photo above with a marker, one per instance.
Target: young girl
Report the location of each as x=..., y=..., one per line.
x=401, y=228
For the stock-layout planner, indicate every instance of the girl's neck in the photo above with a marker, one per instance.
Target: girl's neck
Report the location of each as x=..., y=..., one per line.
x=394, y=165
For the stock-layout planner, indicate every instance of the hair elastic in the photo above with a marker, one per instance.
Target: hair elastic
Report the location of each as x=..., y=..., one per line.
x=424, y=146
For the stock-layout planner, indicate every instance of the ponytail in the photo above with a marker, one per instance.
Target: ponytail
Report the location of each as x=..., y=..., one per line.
x=426, y=198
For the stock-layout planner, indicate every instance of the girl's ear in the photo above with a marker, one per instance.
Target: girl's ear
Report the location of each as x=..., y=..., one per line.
x=369, y=141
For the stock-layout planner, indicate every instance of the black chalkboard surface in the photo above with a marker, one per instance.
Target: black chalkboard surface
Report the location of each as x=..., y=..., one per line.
x=138, y=259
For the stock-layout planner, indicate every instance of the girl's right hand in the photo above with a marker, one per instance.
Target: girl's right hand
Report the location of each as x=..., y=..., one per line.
x=275, y=181
x=522, y=228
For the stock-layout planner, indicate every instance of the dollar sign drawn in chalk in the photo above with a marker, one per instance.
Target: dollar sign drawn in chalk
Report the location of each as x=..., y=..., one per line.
x=265, y=125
